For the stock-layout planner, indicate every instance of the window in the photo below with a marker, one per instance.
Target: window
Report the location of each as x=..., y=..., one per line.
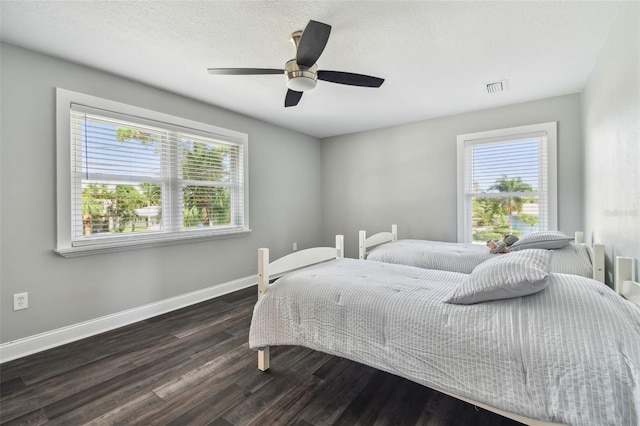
x=129, y=177
x=507, y=182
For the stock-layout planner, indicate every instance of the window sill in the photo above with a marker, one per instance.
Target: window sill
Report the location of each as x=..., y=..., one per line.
x=136, y=245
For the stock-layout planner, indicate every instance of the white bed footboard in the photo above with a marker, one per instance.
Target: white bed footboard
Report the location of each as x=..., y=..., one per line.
x=293, y=261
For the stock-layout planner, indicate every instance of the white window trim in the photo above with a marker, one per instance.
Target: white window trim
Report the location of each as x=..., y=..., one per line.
x=464, y=222
x=64, y=99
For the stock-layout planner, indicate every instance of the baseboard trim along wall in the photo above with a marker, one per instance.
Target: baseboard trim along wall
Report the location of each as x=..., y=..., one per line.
x=50, y=339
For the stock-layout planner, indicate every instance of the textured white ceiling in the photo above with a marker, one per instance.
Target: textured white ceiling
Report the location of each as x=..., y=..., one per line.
x=435, y=56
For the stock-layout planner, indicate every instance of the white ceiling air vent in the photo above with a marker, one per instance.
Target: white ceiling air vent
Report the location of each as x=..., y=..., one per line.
x=497, y=86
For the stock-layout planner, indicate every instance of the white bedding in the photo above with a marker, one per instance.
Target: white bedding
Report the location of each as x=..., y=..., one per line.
x=460, y=257
x=570, y=353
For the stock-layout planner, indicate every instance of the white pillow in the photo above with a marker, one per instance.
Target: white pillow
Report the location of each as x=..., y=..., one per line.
x=503, y=277
x=541, y=240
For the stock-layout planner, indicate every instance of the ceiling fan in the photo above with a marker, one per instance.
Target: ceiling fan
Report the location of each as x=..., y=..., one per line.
x=302, y=72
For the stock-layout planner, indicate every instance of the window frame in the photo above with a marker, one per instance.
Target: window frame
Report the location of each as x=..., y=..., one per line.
x=506, y=135
x=65, y=187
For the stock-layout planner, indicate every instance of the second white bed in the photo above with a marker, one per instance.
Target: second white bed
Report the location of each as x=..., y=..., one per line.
x=574, y=258
x=537, y=359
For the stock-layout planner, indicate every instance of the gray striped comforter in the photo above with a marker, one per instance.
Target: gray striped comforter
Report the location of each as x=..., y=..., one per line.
x=460, y=257
x=569, y=354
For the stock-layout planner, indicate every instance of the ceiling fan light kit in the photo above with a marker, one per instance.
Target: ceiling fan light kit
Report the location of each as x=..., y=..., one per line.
x=299, y=79
x=302, y=72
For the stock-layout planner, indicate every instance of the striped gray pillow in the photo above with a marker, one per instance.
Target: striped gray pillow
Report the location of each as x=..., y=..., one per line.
x=503, y=277
x=541, y=240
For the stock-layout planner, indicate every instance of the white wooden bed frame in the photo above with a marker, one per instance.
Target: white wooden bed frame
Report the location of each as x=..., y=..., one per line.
x=312, y=256
x=596, y=251
x=293, y=261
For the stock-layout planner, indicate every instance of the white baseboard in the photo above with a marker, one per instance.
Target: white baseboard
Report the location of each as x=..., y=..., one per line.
x=50, y=339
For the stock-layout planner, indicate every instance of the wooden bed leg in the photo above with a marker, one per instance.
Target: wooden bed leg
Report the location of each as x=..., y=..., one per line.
x=263, y=359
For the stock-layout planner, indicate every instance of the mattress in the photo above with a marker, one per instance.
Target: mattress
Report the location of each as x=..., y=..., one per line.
x=568, y=354
x=464, y=257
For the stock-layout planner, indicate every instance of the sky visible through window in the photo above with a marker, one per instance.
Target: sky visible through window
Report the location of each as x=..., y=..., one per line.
x=517, y=159
x=103, y=153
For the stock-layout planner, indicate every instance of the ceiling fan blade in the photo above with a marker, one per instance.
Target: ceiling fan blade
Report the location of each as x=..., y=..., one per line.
x=243, y=71
x=292, y=98
x=314, y=38
x=350, y=79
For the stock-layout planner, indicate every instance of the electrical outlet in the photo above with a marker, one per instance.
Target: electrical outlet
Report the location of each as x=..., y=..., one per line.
x=20, y=301
x=295, y=246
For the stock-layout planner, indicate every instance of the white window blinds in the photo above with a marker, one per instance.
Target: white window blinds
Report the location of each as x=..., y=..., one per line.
x=136, y=179
x=507, y=183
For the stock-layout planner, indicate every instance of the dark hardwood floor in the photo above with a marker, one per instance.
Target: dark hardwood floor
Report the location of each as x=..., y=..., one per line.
x=194, y=367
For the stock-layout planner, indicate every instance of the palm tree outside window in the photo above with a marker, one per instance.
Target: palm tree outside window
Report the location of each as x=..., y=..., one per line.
x=506, y=182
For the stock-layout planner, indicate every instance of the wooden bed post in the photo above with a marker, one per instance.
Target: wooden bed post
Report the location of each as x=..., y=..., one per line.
x=623, y=272
x=263, y=271
x=597, y=256
x=339, y=246
x=597, y=252
x=394, y=232
x=362, y=237
x=263, y=283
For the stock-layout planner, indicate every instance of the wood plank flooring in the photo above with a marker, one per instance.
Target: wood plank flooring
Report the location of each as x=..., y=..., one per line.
x=194, y=367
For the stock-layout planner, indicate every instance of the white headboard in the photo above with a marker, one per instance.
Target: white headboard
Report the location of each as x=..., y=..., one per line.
x=365, y=243
x=295, y=260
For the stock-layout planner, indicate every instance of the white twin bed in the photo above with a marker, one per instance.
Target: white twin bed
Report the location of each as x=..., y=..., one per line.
x=574, y=258
x=568, y=352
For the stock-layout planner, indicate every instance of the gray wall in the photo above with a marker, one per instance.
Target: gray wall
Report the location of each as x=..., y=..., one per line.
x=407, y=174
x=611, y=122
x=404, y=175
x=65, y=291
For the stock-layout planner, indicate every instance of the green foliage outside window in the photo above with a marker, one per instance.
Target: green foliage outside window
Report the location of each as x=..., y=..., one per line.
x=112, y=207
x=492, y=217
x=205, y=205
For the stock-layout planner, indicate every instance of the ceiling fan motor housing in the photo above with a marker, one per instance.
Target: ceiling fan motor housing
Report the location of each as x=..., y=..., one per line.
x=299, y=78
